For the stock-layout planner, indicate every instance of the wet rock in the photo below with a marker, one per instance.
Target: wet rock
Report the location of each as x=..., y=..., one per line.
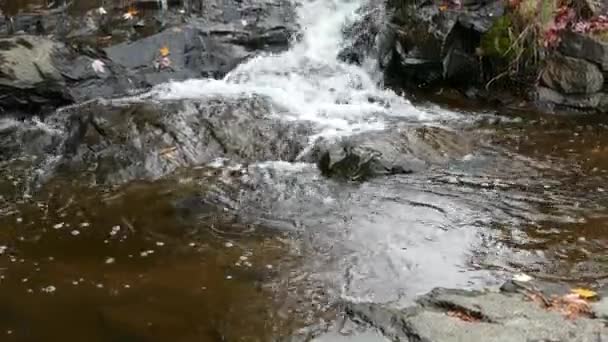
x=572, y=75
x=369, y=37
x=582, y=46
x=28, y=74
x=577, y=101
x=115, y=144
x=490, y=316
x=38, y=73
x=399, y=151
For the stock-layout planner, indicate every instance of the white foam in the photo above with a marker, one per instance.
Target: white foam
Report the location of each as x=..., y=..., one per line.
x=308, y=82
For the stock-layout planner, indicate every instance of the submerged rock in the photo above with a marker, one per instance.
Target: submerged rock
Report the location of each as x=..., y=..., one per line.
x=403, y=149
x=118, y=143
x=446, y=315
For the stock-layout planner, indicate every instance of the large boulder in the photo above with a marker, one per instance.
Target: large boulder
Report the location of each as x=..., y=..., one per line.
x=38, y=73
x=117, y=143
x=436, y=44
x=401, y=150
x=583, y=46
x=572, y=75
x=446, y=315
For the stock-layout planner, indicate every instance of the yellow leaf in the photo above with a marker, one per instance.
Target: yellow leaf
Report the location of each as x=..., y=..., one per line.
x=443, y=7
x=164, y=51
x=584, y=293
x=132, y=11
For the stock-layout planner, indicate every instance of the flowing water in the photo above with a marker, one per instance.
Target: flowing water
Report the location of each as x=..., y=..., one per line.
x=147, y=262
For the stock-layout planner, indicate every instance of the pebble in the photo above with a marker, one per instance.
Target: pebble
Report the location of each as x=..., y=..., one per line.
x=160, y=243
x=49, y=289
x=115, y=230
x=75, y=282
x=58, y=225
x=85, y=224
x=75, y=232
x=243, y=258
x=269, y=266
x=3, y=249
x=127, y=286
x=228, y=277
x=99, y=286
x=146, y=253
x=19, y=219
x=110, y=260
x=229, y=244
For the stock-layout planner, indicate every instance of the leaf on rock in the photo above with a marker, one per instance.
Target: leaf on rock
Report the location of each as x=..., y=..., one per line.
x=584, y=293
x=164, y=51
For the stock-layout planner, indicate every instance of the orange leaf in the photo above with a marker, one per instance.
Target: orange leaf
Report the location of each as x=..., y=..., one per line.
x=164, y=51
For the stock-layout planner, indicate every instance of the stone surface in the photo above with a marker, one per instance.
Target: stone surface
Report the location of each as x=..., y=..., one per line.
x=435, y=45
x=401, y=150
x=115, y=144
x=572, y=75
x=498, y=317
x=576, y=101
x=582, y=46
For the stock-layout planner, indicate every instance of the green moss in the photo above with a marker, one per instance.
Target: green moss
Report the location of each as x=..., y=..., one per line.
x=498, y=40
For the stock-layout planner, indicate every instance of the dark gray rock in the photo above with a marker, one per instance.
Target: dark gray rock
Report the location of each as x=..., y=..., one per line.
x=369, y=37
x=582, y=46
x=37, y=73
x=576, y=101
x=401, y=150
x=115, y=144
x=499, y=317
x=434, y=45
x=572, y=75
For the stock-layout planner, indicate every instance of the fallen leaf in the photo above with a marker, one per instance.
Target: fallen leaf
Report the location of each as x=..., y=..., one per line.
x=443, y=8
x=464, y=316
x=571, y=306
x=584, y=293
x=167, y=151
x=131, y=13
x=164, y=51
x=98, y=66
x=522, y=277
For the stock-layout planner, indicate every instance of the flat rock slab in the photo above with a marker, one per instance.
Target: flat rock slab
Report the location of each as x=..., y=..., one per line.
x=498, y=317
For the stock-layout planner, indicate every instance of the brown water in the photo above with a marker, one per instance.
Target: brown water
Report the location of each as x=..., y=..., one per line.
x=124, y=265
x=127, y=264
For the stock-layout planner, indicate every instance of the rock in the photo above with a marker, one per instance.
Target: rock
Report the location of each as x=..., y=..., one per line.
x=115, y=144
x=401, y=150
x=572, y=75
x=582, y=46
x=369, y=36
x=37, y=73
x=29, y=77
x=577, y=101
x=495, y=317
x=600, y=309
x=435, y=44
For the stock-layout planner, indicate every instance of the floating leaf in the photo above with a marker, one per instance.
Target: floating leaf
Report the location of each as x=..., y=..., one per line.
x=584, y=293
x=164, y=51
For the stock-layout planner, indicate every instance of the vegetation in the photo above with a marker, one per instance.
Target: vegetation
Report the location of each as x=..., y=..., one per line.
x=531, y=29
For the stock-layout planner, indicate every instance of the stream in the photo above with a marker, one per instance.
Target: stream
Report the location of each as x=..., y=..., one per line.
x=268, y=249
